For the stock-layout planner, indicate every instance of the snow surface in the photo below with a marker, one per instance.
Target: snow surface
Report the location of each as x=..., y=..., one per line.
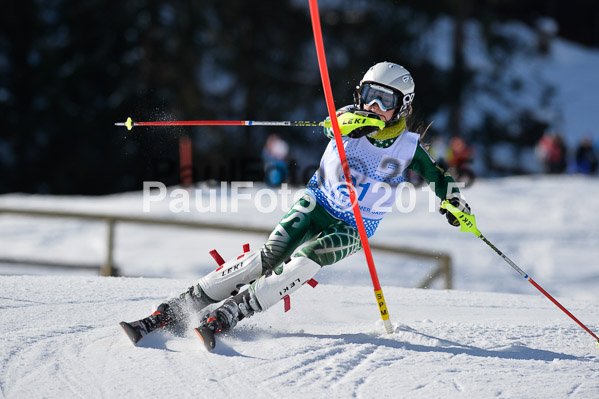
x=494, y=336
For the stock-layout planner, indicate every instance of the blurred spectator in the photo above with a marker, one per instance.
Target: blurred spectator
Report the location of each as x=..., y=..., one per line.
x=558, y=163
x=551, y=151
x=459, y=153
x=547, y=29
x=439, y=150
x=586, y=158
x=543, y=150
x=274, y=156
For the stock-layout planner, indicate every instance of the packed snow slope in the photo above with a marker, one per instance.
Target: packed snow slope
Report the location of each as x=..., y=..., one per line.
x=60, y=339
x=494, y=336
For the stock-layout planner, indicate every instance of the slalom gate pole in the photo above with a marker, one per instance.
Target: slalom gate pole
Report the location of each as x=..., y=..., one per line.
x=324, y=74
x=129, y=124
x=468, y=224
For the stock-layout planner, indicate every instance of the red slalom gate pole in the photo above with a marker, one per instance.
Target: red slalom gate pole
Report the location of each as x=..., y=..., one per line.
x=324, y=74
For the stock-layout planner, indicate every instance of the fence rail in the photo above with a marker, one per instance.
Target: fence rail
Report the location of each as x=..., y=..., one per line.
x=108, y=268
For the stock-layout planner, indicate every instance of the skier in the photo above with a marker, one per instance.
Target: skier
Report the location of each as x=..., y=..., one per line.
x=380, y=151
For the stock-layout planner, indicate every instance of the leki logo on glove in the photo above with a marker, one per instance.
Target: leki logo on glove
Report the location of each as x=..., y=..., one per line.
x=356, y=121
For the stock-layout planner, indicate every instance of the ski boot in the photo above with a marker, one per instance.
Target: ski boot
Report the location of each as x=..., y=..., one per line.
x=226, y=316
x=172, y=315
x=216, y=286
x=138, y=329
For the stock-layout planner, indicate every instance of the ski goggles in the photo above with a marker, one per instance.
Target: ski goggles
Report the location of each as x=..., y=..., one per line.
x=385, y=98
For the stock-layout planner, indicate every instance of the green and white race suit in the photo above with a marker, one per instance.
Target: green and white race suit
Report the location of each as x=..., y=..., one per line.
x=324, y=216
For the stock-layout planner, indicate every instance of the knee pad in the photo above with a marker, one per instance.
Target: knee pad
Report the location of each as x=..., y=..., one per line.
x=269, y=290
x=232, y=275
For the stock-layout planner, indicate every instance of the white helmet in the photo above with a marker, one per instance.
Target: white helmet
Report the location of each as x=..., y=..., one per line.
x=389, y=85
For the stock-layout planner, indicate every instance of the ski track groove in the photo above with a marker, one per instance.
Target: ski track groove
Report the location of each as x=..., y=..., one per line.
x=109, y=344
x=385, y=359
x=6, y=365
x=110, y=355
x=16, y=353
x=419, y=387
x=32, y=345
x=21, y=303
x=307, y=363
x=337, y=361
x=359, y=384
x=574, y=389
x=71, y=376
x=340, y=363
x=458, y=387
x=361, y=359
x=334, y=359
x=70, y=384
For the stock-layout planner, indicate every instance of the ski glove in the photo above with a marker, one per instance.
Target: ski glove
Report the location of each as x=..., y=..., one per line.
x=357, y=124
x=459, y=203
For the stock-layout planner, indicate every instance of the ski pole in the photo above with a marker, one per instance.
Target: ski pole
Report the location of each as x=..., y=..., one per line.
x=328, y=92
x=129, y=124
x=348, y=122
x=468, y=224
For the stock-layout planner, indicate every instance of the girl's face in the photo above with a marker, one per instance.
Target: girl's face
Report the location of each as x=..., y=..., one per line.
x=385, y=115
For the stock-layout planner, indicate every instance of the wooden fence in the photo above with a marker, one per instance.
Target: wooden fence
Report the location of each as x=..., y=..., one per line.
x=108, y=268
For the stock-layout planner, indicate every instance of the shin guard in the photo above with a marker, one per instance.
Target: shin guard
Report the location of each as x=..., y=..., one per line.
x=232, y=275
x=269, y=290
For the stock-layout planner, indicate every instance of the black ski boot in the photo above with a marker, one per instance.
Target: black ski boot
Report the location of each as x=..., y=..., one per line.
x=190, y=302
x=174, y=315
x=225, y=317
x=138, y=329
